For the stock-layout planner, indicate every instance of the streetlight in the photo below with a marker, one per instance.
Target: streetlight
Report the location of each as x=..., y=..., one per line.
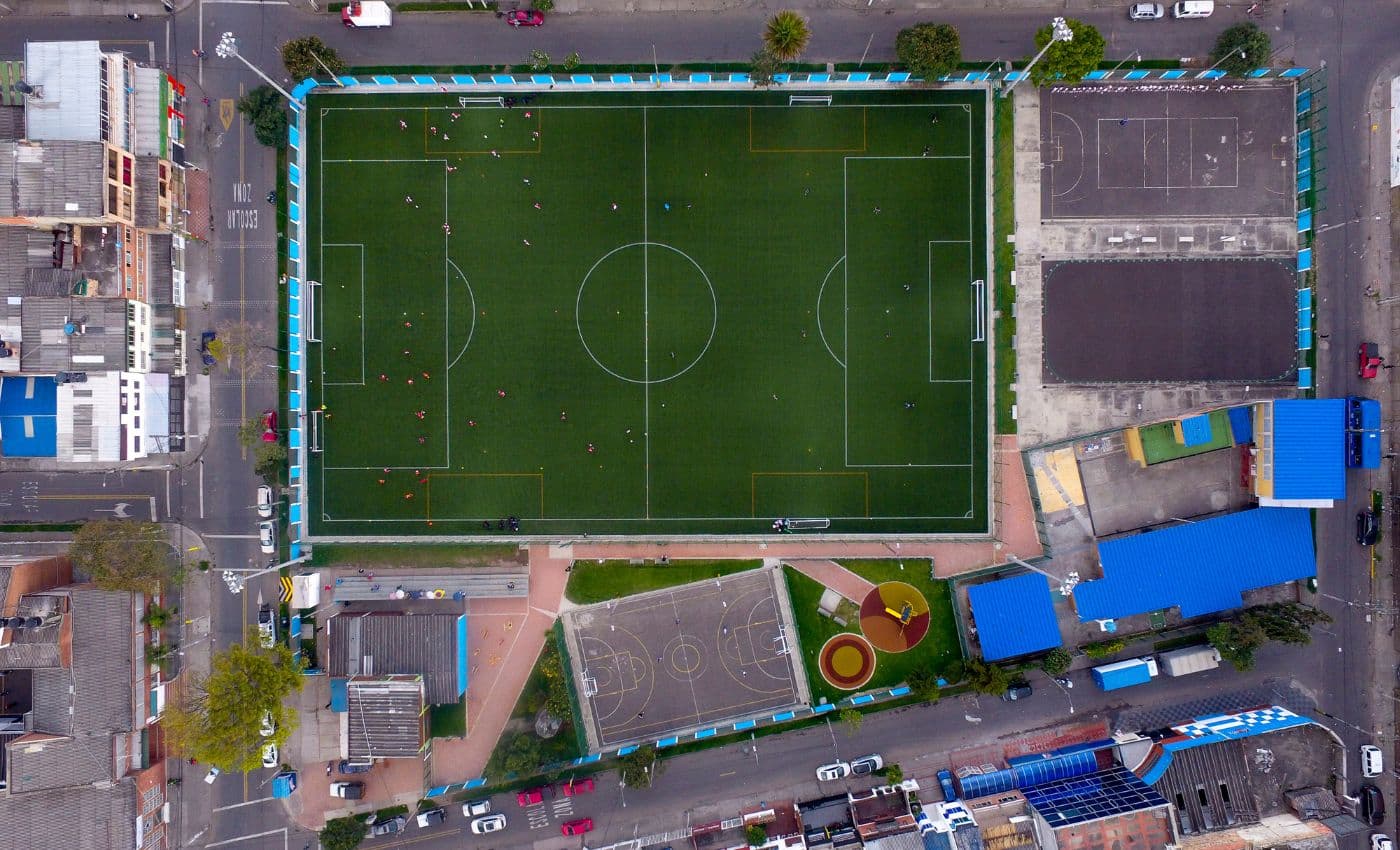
x=1135, y=56
x=1229, y=55
x=228, y=46
x=1059, y=31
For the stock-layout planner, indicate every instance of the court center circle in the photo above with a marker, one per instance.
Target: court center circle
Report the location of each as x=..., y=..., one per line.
x=685, y=658
x=641, y=313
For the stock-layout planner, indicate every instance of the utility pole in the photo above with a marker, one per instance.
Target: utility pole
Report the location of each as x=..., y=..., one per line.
x=228, y=46
x=1059, y=31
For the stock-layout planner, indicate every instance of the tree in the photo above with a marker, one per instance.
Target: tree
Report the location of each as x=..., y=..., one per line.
x=786, y=35
x=852, y=718
x=241, y=341
x=764, y=68
x=158, y=616
x=756, y=835
x=986, y=678
x=894, y=774
x=300, y=54
x=1236, y=641
x=1288, y=622
x=268, y=459
x=1104, y=648
x=556, y=685
x=343, y=833
x=250, y=432
x=636, y=766
x=264, y=109
x=522, y=756
x=929, y=50
x=542, y=5
x=123, y=555
x=539, y=60
x=1246, y=37
x=1068, y=61
x=216, y=719
x=923, y=682
x=572, y=61
x=1056, y=662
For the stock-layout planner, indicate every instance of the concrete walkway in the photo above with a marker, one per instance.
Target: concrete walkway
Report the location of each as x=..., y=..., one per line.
x=833, y=575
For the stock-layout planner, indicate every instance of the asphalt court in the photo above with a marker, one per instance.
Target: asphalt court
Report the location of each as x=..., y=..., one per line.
x=1109, y=321
x=1155, y=150
x=683, y=658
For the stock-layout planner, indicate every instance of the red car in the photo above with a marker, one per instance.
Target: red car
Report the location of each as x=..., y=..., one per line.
x=1368, y=360
x=574, y=787
x=577, y=827
x=530, y=796
x=269, y=423
x=524, y=18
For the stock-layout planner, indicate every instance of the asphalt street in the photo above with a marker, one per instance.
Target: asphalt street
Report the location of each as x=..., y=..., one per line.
x=214, y=493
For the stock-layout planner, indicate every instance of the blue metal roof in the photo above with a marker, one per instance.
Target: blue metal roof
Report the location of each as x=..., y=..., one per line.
x=28, y=416
x=23, y=395
x=1040, y=770
x=976, y=785
x=1202, y=567
x=1241, y=424
x=1104, y=794
x=1309, y=448
x=1195, y=430
x=1014, y=616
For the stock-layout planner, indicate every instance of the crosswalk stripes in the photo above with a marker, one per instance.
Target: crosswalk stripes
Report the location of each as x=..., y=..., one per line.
x=562, y=807
x=538, y=816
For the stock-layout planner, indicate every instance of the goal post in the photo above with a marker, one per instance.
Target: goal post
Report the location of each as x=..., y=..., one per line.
x=309, y=312
x=809, y=100
x=313, y=430
x=481, y=101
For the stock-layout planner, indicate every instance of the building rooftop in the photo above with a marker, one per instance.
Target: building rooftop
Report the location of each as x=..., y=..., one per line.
x=73, y=334
x=385, y=717
x=1014, y=616
x=382, y=643
x=1309, y=454
x=1093, y=797
x=56, y=179
x=1201, y=567
x=91, y=818
x=68, y=75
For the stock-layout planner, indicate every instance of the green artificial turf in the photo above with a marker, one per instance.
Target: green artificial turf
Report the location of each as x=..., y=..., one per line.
x=428, y=555
x=747, y=354
x=591, y=581
x=448, y=720
x=938, y=651
x=1159, y=440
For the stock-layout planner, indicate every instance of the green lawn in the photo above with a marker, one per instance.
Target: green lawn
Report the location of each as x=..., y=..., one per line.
x=939, y=648
x=448, y=721
x=590, y=581
x=415, y=556
x=530, y=748
x=1159, y=442
x=665, y=312
x=1004, y=257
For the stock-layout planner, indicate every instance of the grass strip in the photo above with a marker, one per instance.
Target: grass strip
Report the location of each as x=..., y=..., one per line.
x=594, y=581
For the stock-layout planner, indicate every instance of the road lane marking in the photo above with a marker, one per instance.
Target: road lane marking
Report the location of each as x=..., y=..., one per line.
x=282, y=832
x=226, y=112
x=230, y=536
x=241, y=805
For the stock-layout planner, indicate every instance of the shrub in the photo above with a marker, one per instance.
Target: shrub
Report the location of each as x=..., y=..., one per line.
x=1104, y=648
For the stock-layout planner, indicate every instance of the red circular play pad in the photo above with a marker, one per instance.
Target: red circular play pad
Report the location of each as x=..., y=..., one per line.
x=894, y=616
x=847, y=661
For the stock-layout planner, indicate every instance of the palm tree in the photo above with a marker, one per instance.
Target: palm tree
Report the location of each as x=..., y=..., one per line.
x=786, y=35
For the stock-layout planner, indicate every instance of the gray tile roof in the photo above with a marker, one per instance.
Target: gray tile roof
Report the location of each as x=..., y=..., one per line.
x=53, y=179
x=70, y=74
x=385, y=717
x=36, y=646
x=80, y=818
x=159, y=259
x=38, y=763
x=47, y=348
x=379, y=644
x=11, y=122
x=147, y=191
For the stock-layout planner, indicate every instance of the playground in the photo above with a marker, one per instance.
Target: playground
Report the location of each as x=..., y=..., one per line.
x=647, y=313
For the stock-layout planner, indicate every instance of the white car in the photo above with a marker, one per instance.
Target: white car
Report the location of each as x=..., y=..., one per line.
x=1145, y=11
x=264, y=501
x=267, y=727
x=267, y=534
x=269, y=755
x=490, y=823
x=211, y=775
x=267, y=627
x=1372, y=761
x=476, y=808
x=1381, y=841
x=833, y=771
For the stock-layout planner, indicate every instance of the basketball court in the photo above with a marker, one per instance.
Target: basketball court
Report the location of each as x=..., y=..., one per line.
x=685, y=658
x=1153, y=150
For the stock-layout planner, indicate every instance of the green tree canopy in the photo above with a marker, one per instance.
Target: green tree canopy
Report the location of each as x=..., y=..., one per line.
x=763, y=67
x=268, y=459
x=522, y=756
x=1057, y=661
x=1236, y=641
x=123, y=555
x=250, y=432
x=1246, y=37
x=755, y=833
x=216, y=719
x=852, y=719
x=1068, y=61
x=923, y=682
x=300, y=54
x=636, y=766
x=343, y=833
x=1238, y=638
x=894, y=774
x=265, y=110
x=986, y=678
x=929, y=50
x=786, y=35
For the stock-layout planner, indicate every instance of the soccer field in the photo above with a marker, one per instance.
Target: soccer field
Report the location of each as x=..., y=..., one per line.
x=647, y=313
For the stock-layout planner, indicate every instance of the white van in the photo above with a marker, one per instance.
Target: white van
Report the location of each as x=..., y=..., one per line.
x=1193, y=8
x=1372, y=764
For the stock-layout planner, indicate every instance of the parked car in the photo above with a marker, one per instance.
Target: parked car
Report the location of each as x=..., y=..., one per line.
x=866, y=765
x=1372, y=805
x=391, y=826
x=473, y=808
x=574, y=787
x=347, y=766
x=1018, y=690
x=267, y=627
x=205, y=355
x=1372, y=762
x=524, y=18
x=490, y=823
x=264, y=501
x=577, y=827
x=1381, y=841
x=1145, y=11
x=1368, y=360
x=348, y=790
x=267, y=537
x=1368, y=528
x=211, y=775
x=269, y=423
x=835, y=770
x=530, y=796
x=945, y=781
x=431, y=817
x=267, y=727
x=269, y=755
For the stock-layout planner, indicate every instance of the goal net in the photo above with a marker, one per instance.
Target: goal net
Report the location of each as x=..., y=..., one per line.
x=481, y=101
x=313, y=430
x=809, y=100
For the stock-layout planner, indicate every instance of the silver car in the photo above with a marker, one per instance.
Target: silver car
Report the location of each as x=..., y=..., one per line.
x=1145, y=11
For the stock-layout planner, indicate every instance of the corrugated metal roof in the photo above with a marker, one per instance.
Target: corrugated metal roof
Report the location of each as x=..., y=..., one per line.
x=79, y=818
x=380, y=644
x=70, y=75
x=11, y=122
x=147, y=191
x=1309, y=448
x=385, y=717
x=1201, y=567
x=47, y=348
x=148, y=115
x=160, y=260
x=1195, y=430
x=1014, y=616
x=53, y=179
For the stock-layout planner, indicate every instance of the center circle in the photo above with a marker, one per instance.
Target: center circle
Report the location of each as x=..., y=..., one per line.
x=646, y=313
x=685, y=658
